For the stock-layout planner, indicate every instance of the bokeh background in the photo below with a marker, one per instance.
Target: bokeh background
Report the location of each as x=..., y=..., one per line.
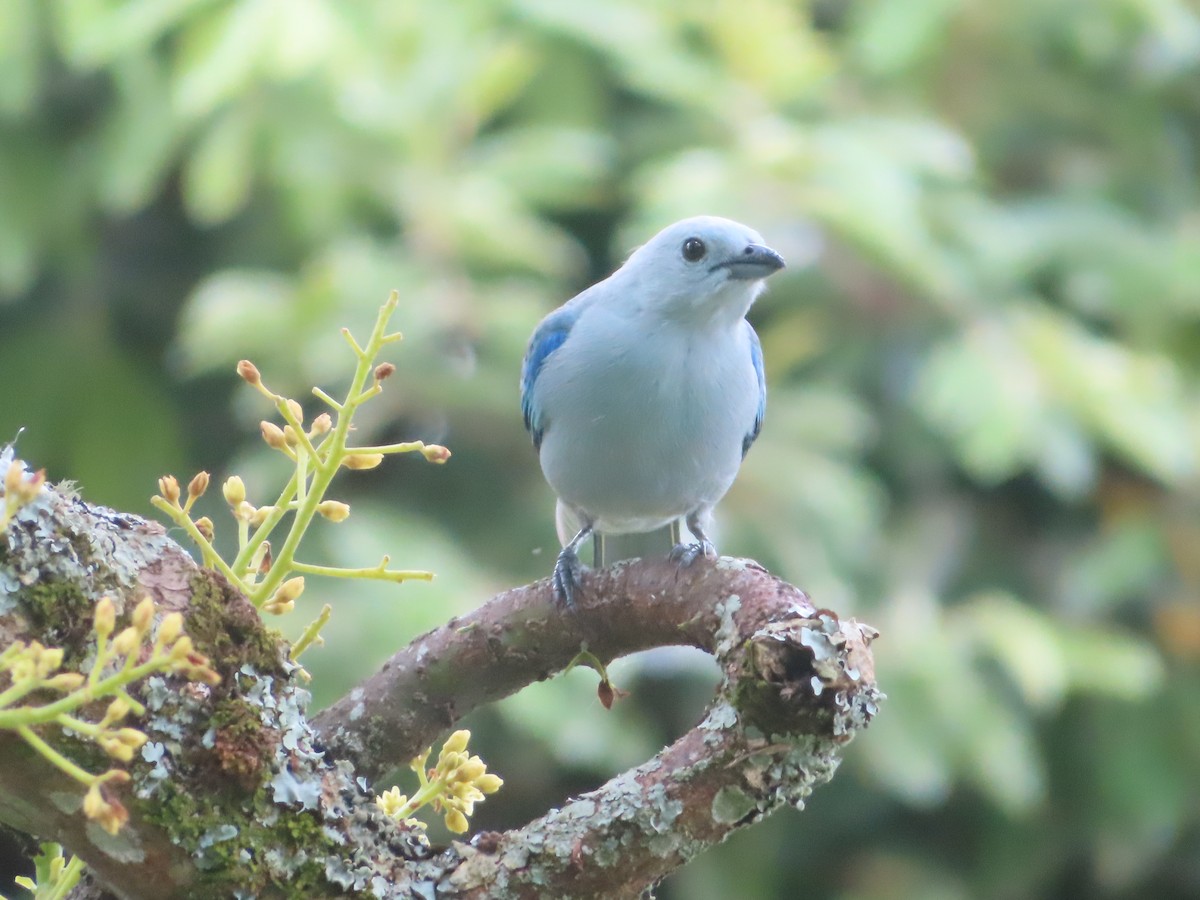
x=983, y=432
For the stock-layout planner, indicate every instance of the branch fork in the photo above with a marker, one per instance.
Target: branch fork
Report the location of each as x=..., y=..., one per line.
x=798, y=683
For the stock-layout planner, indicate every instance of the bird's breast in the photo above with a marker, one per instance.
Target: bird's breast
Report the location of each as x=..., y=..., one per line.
x=646, y=422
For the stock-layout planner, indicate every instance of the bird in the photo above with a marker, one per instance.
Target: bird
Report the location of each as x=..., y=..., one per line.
x=643, y=393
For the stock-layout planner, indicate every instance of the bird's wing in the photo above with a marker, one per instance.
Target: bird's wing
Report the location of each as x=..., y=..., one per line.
x=550, y=334
x=756, y=359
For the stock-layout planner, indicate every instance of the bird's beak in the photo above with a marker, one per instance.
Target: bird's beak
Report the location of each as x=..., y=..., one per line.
x=755, y=262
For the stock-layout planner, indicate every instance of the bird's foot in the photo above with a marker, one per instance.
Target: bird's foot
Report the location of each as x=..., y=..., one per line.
x=568, y=572
x=686, y=554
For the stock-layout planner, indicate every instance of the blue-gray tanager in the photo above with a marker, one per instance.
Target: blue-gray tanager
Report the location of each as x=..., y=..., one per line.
x=644, y=392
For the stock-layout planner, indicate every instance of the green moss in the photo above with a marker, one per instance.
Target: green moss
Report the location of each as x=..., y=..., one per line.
x=242, y=746
x=179, y=813
x=276, y=851
x=775, y=706
x=236, y=716
x=223, y=864
x=229, y=630
x=61, y=615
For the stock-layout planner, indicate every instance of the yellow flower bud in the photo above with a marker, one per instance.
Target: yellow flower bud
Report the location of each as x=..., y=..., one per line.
x=66, y=682
x=321, y=424
x=143, y=615
x=284, y=599
x=471, y=769
x=272, y=434
x=457, y=742
x=21, y=667
x=391, y=801
x=202, y=674
x=198, y=485
x=171, y=628
x=276, y=607
x=47, y=660
x=489, y=783
x=117, y=710
x=106, y=617
x=260, y=515
x=127, y=641
x=456, y=821
x=450, y=762
x=113, y=817
x=115, y=748
x=333, y=510
x=435, y=453
x=362, y=460
x=168, y=487
x=249, y=372
x=296, y=410
x=291, y=589
x=132, y=738
x=182, y=648
x=466, y=795
x=93, y=802
x=205, y=526
x=234, y=490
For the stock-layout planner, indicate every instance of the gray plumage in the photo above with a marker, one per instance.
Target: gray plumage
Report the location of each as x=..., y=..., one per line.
x=644, y=392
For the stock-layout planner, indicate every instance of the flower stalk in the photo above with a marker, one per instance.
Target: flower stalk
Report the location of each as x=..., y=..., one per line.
x=452, y=787
x=316, y=454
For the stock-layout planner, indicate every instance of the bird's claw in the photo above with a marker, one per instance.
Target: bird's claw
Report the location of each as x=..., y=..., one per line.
x=686, y=554
x=568, y=572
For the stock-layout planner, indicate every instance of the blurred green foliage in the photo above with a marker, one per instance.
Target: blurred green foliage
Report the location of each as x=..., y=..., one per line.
x=983, y=433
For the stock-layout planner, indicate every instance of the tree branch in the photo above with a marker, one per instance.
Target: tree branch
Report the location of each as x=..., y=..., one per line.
x=238, y=792
x=797, y=685
x=523, y=635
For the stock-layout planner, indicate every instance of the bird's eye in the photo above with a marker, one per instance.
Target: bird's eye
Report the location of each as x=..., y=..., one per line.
x=694, y=249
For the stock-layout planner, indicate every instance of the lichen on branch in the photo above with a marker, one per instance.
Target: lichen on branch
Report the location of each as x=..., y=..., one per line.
x=30, y=677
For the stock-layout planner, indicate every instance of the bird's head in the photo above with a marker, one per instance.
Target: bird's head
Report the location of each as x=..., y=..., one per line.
x=703, y=267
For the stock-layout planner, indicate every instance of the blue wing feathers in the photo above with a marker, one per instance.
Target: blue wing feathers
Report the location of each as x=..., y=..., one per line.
x=756, y=358
x=548, y=337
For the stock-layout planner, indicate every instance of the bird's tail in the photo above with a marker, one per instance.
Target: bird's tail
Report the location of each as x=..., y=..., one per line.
x=609, y=548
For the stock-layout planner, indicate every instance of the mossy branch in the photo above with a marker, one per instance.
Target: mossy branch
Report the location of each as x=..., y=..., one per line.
x=232, y=773
x=32, y=669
